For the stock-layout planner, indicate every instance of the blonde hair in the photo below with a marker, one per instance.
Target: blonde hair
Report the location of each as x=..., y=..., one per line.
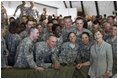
x=99, y=30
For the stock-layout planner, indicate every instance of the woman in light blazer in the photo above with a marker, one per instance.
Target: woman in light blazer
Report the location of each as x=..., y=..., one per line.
x=101, y=59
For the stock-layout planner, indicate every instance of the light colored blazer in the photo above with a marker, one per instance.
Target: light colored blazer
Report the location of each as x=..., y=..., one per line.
x=101, y=60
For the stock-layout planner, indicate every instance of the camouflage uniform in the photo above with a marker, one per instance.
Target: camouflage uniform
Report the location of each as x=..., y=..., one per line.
x=23, y=34
x=12, y=41
x=41, y=37
x=114, y=50
x=4, y=17
x=4, y=52
x=23, y=10
x=45, y=56
x=33, y=12
x=106, y=36
x=46, y=35
x=68, y=54
x=67, y=59
x=83, y=56
x=24, y=55
x=65, y=32
x=59, y=43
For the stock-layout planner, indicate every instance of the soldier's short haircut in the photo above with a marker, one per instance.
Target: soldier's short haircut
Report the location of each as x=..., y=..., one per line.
x=31, y=30
x=79, y=18
x=67, y=17
x=110, y=16
x=96, y=22
x=12, y=18
x=29, y=20
x=51, y=35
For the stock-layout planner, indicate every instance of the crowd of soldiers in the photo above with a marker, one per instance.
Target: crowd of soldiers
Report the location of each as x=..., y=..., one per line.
x=87, y=45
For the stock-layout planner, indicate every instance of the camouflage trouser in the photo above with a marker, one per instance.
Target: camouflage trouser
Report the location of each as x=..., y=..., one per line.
x=4, y=61
x=81, y=73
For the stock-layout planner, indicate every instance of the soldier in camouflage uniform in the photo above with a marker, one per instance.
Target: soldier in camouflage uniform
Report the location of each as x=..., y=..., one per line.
x=68, y=28
x=4, y=51
x=41, y=32
x=23, y=9
x=12, y=41
x=47, y=56
x=83, y=55
x=69, y=50
x=48, y=30
x=32, y=11
x=4, y=16
x=46, y=52
x=24, y=33
x=113, y=41
x=24, y=55
x=57, y=32
x=4, y=54
x=80, y=28
x=68, y=55
x=107, y=29
x=84, y=48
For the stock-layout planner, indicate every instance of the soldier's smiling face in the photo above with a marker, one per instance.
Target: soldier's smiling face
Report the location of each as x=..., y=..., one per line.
x=85, y=39
x=80, y=24
x=72, y=37
x=52, y=41
x=68, y=22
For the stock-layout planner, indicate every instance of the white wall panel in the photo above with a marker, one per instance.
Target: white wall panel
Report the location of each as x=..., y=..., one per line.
x=89, y=7
x=68, y=12
x=77, y=4
x=106, y=7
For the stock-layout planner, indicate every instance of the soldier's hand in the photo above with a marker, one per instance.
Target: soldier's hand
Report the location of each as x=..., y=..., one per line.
x=39, y=68
x=56, y=65
x=78, y=66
